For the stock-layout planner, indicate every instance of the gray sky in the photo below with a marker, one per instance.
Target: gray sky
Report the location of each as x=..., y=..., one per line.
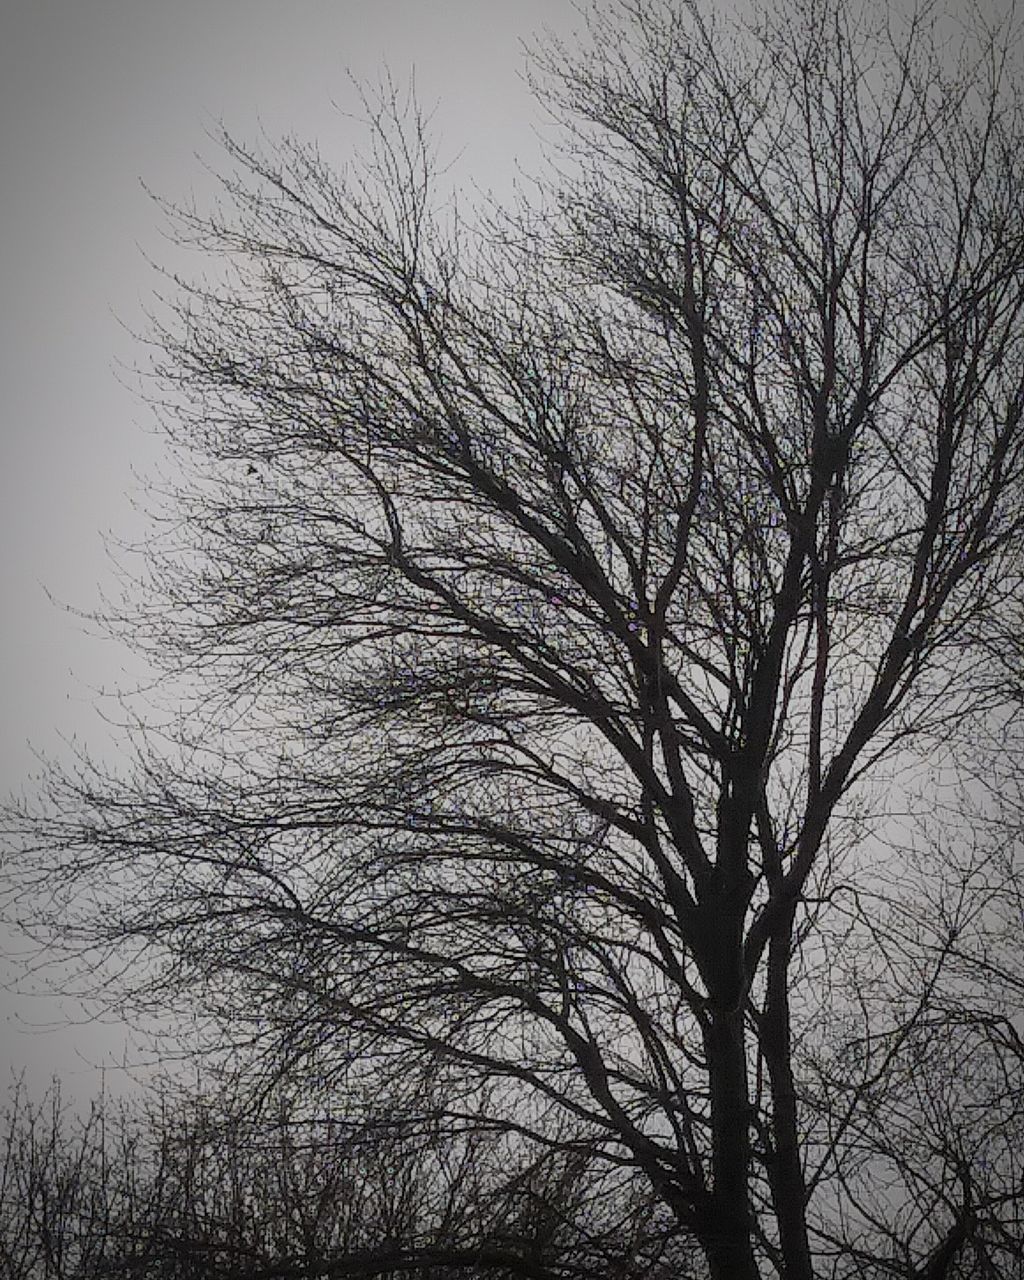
x=94, y=95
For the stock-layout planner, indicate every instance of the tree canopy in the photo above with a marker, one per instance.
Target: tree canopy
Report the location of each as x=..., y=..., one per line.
x=596, y=610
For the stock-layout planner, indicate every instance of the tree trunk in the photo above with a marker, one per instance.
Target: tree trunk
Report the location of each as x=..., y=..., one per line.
x=727, y=1241
x=785, y=1170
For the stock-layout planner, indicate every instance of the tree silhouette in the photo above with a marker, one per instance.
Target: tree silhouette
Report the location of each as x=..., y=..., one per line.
x=578, y=598
x=182, y=1190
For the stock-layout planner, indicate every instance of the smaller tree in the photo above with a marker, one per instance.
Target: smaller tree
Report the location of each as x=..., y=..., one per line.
x=181, y=1190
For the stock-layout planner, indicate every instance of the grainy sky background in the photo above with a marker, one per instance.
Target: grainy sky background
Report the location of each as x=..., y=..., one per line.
x=94, y=96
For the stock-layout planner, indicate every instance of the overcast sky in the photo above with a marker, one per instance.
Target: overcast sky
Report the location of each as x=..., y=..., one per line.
x=94, y=96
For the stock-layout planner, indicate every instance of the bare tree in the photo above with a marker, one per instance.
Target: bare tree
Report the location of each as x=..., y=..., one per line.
x=184, y=1190
x=578, y=598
